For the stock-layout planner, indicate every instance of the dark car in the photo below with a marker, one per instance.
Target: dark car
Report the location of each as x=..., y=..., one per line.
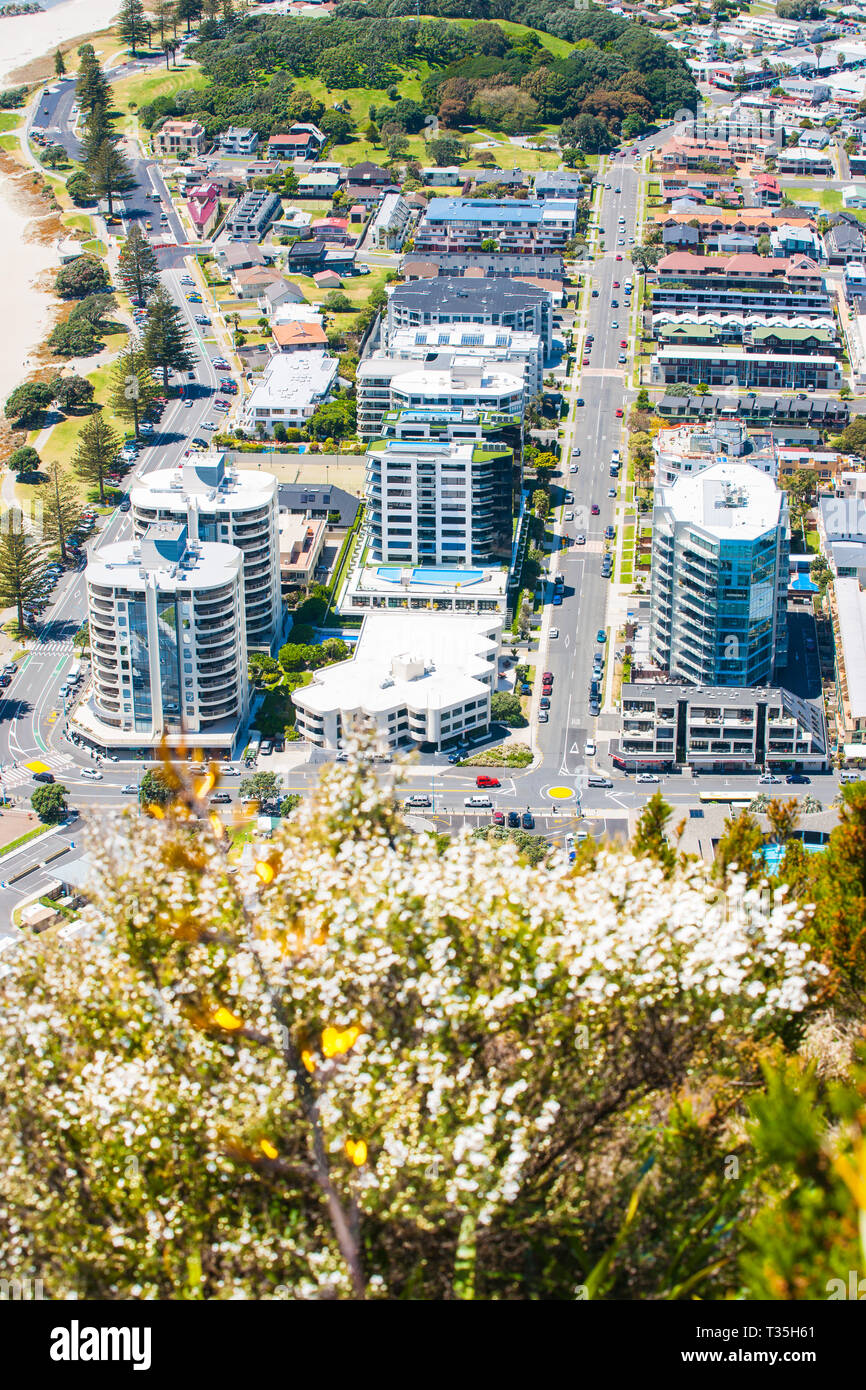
x=220, y=799
x=526, y=689
x=514, y=819
x=544, y=703
x=580, y=401
x=527, y=820
x=43, y=777
x=279, y=744
x=594, y=707
x=797, y=779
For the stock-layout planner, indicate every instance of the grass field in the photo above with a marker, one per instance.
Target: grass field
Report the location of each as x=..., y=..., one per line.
x=10, y=120
x=132, y=92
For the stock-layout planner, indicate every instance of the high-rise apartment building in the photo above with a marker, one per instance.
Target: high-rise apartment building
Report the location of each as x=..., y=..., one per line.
x=229, y=506
x=719, y=577
x=167, y=642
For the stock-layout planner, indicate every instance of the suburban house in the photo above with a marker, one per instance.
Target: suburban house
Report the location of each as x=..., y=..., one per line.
x=242, y=256
x=252, y=214
x=203, y=207
x=301, y=544
x=178, y=139
x=306, y=256
x=299, y=337
x=368, y=175
x=301, y=142
x=844, y=242
x=239, y=140
x=802, y=159
x=318, y=183
x=767, y=191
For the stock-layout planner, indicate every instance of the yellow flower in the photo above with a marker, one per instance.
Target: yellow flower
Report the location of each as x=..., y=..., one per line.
x=335, y=1043
x=264, y=870
x=308, y=1061
x=267, y=1148
x=226, y=1019
x=853, y=1177
x=357, y=1151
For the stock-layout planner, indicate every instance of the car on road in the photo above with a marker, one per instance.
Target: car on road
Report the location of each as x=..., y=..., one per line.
x=417, y=799
x=91, y=774
x=580, y=540
x=573, y=468
x=595, y=292
x=616, y=284
x=569, y=516
x=544, y=702
x=611, y=492
x=623, y=342
x=614, y=324
x=576, y=453
x=498, y=817
x=527, y=820
x=484, y=780
x=221, y=363
x=609, y=532
x=622, y=358
x=619, y=258
x=614, y=304
x=618, y=412
x=553, y=634
x=617, y=190
x=594, y=708
x=124, y=504
x=645, y=779
x=188, y=403
x=477, y=803
x=589, y=750
x=594, y=509
x=797, y=779
x=209, y=425
x=195, y=298
x=43, y=777
x=220, y=799
x=768, y=780
x=226, y=770
x=557, y=600
x=199, y=443
x=543, y=716
x=547, y=676
x=202, y=319
x=580, y=401
x=849, y=776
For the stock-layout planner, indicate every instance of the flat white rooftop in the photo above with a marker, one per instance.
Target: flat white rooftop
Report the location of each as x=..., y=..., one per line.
x=728, y=500
x=448, y=654
x=851, y=610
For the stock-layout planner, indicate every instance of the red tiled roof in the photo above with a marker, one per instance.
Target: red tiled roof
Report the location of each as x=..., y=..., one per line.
x=297, y=334
x=202, y=211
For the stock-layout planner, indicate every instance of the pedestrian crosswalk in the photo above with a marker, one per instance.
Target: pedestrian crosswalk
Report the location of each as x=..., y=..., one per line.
x=54, y=645
x=17, y=773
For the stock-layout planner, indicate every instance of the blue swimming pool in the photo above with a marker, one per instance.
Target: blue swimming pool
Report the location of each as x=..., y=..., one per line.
x=431, y=574
x=773, y=855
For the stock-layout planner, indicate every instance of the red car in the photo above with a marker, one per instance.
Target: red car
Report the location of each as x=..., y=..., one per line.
x=547, y=676
x=485, y=781
x=619, y=414
x=616, y=284
x=623, y=342
x=619, y=258
x=585, y=362
x=594, y=509
x=498, y=817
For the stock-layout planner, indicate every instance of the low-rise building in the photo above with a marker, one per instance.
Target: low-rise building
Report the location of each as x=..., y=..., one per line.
x=420, y=679
x=252, y=214
x=818, y=412
x=508, y=302
x=391, y=223
x=296, y=336
x=178, y=139
x=203, y=207
x=510, y=225
x=302, y=540
x=301, y=142
x=842, y=532
x=848, y=608
x=718, y=729
x=238, y=140
x=802, y=159
x=291, y=388
x=746, y=370
x=450, y=379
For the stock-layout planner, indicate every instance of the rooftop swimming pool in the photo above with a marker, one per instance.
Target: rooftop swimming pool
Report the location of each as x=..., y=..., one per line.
x=430, y=574
x=773, y=855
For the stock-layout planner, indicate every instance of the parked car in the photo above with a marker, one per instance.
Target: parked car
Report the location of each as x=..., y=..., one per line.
x=482, y=780
x=589, y=750
x=768, y=780
x=513, y=819
x=646, y=779
x=527, y=820
x=557, y=600
x=477, y=803
x=130, y=789
x=544, y=702
x=498, y=817
x=221, y=799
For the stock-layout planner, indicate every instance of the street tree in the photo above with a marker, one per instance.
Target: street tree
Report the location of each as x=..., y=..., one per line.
x=158, y=787
x=49, y=803
x=110, y=173
x=188, y=11
x=82, y=276
x=133, y=386
x=59, y=63
x=261, y=786
x=91, y=85
x=23, y=460
x=22, y=565
x=60, y=507
x=137, y=269
x=96, y=129
x=97, y=451
x=166, y=341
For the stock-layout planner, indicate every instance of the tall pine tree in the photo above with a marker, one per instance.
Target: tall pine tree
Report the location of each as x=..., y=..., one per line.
x=110, y=173
x=97, y=451
x=133, y=387
x=22, y=565
x=59, y=64
x=60, y=508
x=91, y=85
x=166, y=340
x=132, y=27
x=136, y=267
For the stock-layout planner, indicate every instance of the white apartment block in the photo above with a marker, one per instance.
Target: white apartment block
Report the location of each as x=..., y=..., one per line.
x=167, y=642
x=391, y=223
x=451, y=380
x=229, y=506
x=415, y=679
x=292, y=386
x=513, y=348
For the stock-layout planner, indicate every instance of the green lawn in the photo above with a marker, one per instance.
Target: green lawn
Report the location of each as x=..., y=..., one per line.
x=829, y=198
x=132, y=92
x=10, y=120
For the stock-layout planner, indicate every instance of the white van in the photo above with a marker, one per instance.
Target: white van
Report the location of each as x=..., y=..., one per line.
x=73, y=675
x=614, y=458
x=477, y=803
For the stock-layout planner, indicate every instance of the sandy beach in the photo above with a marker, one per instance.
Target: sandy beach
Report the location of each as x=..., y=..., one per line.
x=27, y=249
x=24, y=37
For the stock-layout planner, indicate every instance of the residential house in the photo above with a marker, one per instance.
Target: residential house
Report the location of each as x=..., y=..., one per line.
x=301, y=545
x=318, y=183
x=301, y=142
x=802, y=159
x=854, y=196
x=178, y=139
x=244, y=255
x=844, y=242
x=299, y=337
x=238, y=139
x=367, y=175
x=332, y=229
x=558, y=183
x=767, y=191
x=327, y=279
x=306, y=256
x=203, y=208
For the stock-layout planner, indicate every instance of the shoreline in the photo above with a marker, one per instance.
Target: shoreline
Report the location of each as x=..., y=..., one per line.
x=29, y=227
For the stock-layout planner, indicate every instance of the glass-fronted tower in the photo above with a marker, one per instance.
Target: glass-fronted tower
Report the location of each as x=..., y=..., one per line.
x=719, y=577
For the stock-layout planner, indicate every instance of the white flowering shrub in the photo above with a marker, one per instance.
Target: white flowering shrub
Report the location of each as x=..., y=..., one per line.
x=361, y=1054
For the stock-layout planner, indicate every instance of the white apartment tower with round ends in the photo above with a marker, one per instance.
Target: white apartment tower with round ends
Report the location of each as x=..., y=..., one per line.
x=167, y=641
x=225, y=506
